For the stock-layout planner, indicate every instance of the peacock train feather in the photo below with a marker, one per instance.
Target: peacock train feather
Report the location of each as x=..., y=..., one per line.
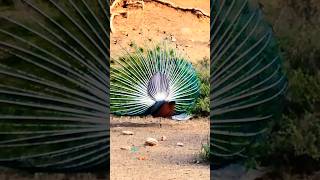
x=54, y=67
x=247, y=83
x=142, y=82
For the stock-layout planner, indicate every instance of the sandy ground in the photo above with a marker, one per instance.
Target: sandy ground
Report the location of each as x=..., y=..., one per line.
x=163, y=161
x=156, y=23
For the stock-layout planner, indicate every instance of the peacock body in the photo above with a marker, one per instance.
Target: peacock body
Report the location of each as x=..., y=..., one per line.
x=158, y=82
x=247, y=82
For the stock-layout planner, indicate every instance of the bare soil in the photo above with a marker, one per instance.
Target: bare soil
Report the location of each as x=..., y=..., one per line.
x=163, y=161
x=187, y=31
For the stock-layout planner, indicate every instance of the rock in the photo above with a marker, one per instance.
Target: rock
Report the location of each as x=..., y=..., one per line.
x=127, y=133
x=180, y=144
x=151, y=142
x=127, y=148
x=173, y=39
x=163, y=138
x=124, y=14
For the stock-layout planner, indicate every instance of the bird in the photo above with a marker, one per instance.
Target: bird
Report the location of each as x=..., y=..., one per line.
x=54, y=85
x=163, y=109
x=248, y=84
x=158, y=82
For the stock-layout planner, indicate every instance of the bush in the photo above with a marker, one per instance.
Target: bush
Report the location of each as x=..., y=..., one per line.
x=295, y=139
x=298, y=135
x=202, y=105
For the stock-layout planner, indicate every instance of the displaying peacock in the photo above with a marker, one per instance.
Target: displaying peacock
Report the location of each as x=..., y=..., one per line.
x=157, y=82
x=247, y=82
x=54, y=85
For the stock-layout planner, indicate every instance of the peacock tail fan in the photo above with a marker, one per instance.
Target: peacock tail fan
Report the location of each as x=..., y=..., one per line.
x=145, y=78
x=248, y=84
x=54, y=85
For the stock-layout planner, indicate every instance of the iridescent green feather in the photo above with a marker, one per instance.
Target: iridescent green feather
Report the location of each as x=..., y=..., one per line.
x=247, y=82
x=131, y=74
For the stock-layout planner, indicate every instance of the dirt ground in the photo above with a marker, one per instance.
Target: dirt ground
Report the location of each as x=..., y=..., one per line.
x=155, y=23
x=164, y=161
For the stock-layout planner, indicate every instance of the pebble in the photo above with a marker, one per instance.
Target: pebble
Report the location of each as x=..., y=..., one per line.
x=127, y=148
x=163, y=138
x=180, y=144
x=127, y=133
x=151, y=142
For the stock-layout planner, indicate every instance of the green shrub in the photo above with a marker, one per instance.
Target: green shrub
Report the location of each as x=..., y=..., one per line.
x=297, y=134
x=202, y=105
x=205, y=152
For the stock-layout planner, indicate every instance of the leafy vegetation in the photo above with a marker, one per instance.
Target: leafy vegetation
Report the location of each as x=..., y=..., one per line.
x=295, y=139
x=202, y=105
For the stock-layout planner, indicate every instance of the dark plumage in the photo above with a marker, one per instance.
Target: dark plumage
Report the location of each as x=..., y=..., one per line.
x=162, y=109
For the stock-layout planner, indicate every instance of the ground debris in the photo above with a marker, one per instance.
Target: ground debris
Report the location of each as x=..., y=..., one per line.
x=127, y=133
x=151, y=142
x=180, y=144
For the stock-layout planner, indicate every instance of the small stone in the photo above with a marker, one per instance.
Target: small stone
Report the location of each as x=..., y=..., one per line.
x=124, y=14
x=151, y=142
x=173, y=39
x=180, y=144
x=163, y=138
x=127, y=148
x=127, y=133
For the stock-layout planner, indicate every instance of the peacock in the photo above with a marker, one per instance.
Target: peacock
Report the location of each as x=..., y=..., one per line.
x=54, y=85
x=157, y=81
x=247, y=81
